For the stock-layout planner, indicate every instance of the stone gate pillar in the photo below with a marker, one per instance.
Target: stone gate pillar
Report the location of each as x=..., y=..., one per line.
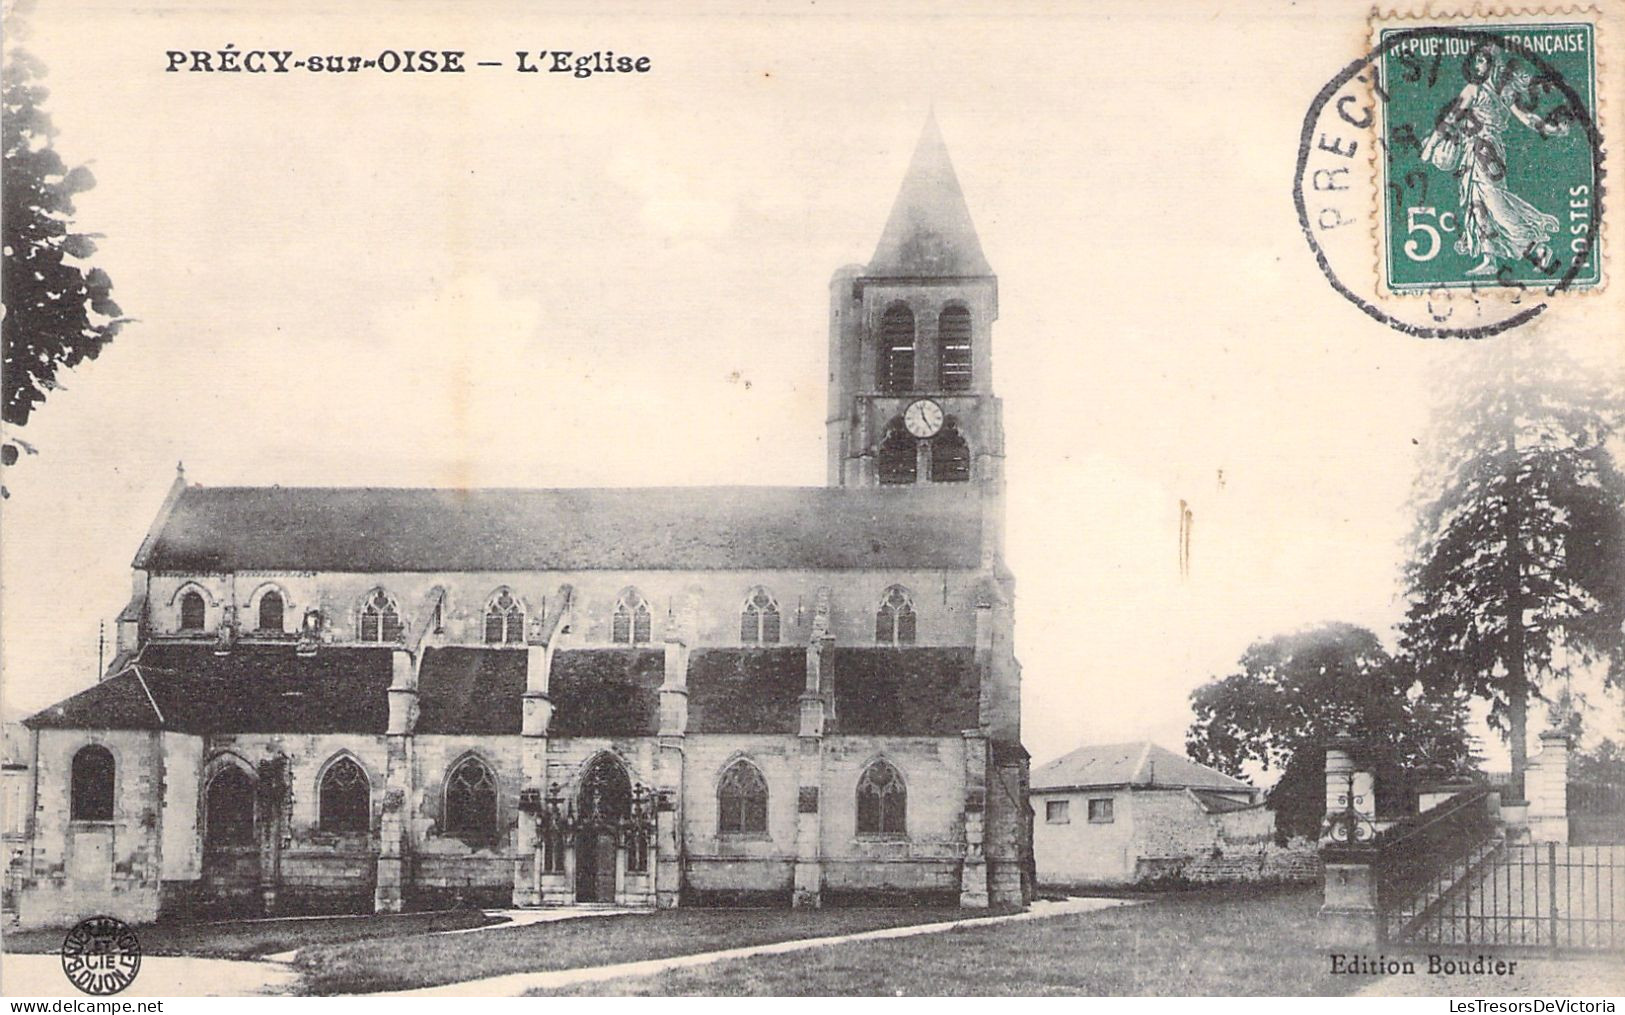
x=1348, y=911
x=1547, y=786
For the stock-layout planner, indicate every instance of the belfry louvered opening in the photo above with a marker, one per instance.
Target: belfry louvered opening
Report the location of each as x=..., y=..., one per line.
x=954, y=370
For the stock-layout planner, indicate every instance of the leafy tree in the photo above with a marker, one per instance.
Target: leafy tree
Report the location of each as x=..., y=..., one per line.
x=1520, y=534
x=1295, y=692
x=58, y=312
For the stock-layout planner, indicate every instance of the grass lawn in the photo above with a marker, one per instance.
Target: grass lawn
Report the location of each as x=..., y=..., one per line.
x=1207, y=942
x=404, y=963
x=247, y=939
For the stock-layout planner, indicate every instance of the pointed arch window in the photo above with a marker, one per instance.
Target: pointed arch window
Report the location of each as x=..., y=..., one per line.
x=954, y=370
x=192, y=611
x=896, y=371
x=91, y=793
x=882, y=801
x=894, y=620
x=897, y=462
x=504, y=620
x=272, y=610
x=742, y=800
x=229, y=808
x=759, y=620
x=344, y=799
x=630, y=624
x=950, y=455
x=471, y=802
x=380, y=619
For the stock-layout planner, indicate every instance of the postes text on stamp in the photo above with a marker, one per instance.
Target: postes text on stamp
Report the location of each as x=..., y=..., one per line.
x=1488, y=174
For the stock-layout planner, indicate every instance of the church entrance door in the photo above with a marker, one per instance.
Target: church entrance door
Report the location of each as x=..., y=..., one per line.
x=604, y=807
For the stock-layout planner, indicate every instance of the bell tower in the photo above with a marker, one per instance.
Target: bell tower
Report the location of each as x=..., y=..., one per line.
x=911, y=369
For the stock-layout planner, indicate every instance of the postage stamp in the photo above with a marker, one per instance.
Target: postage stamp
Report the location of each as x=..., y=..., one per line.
x=1450, y=179
x=1488, y=176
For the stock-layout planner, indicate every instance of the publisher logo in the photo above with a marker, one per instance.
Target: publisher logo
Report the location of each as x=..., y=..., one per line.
x=101, y=955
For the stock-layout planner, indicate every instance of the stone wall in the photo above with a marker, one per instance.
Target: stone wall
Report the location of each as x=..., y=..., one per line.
x=77, y=869
x=944, y=601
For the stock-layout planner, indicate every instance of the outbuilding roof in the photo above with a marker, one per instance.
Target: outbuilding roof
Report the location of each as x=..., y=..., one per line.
x=1140, y=763
x=370, y=529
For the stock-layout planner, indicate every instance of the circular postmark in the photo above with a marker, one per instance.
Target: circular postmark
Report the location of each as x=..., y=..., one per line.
x=1449, y=181
x=101, y=955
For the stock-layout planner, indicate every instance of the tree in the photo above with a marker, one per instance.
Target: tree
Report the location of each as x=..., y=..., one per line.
x=1520, y=534
x=1295, y=692
x=58, y=313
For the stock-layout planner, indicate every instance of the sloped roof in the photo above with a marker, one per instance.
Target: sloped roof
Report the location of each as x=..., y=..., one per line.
x=253, y=689
x=1214, y=802
x=746, y=690
x=471, y=690
x=611, y=692
x=1140, y=763
x=364, y=529
x=906, y=691
x=929, y=233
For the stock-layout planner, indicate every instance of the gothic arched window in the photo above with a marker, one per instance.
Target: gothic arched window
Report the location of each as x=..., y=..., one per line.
x=380, y=620
x=742, y=800
x=471, y=802
x=271, y=610
x=894, y=620
x=344, y=799
x=91, y=794
x=192, y=611
x=896, y=371
x=759, y=620
x=630, y=624
x=954, y=349
x=950, y=456
x=504, y=620
x=882, y=801
x=229, y=808
x=896, y=462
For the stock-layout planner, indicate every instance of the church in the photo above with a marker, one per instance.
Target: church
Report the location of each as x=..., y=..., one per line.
x=367, y=699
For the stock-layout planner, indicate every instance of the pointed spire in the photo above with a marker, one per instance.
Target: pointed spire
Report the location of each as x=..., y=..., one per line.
x=929, y=233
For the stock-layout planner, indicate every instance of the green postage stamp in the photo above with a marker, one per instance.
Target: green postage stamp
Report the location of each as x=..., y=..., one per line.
x=1489, y=156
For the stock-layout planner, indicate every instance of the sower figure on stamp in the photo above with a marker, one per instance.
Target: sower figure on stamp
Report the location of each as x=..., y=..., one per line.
x=1469, y=141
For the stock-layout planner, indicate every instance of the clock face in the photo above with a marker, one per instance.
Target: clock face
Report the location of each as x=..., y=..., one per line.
x=923, y=418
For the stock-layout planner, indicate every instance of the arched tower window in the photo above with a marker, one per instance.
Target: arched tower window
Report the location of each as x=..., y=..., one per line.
x=759, y=620
x=380, y=620
x=229, y=808
x=471, y=802
x=742, y=800
x=271, y=612
x=344, y=799
x=894, y=620
x=91, y=794
x=896, y=370
x=192, y=611
x=504, y=620
x=882, y=801
x=630, y=623
x=896, y=463
x=950, y=456
x=954, y=371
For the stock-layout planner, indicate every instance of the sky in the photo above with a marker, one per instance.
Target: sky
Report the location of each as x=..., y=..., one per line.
x=505, y=279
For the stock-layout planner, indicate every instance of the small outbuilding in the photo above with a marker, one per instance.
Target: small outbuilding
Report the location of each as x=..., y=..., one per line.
x=1119, y=814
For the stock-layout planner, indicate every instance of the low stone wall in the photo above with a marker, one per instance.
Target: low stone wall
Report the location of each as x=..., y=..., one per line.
x=1295, y=863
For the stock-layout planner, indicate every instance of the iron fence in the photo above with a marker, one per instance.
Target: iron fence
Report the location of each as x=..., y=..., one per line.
x=1534, y=895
